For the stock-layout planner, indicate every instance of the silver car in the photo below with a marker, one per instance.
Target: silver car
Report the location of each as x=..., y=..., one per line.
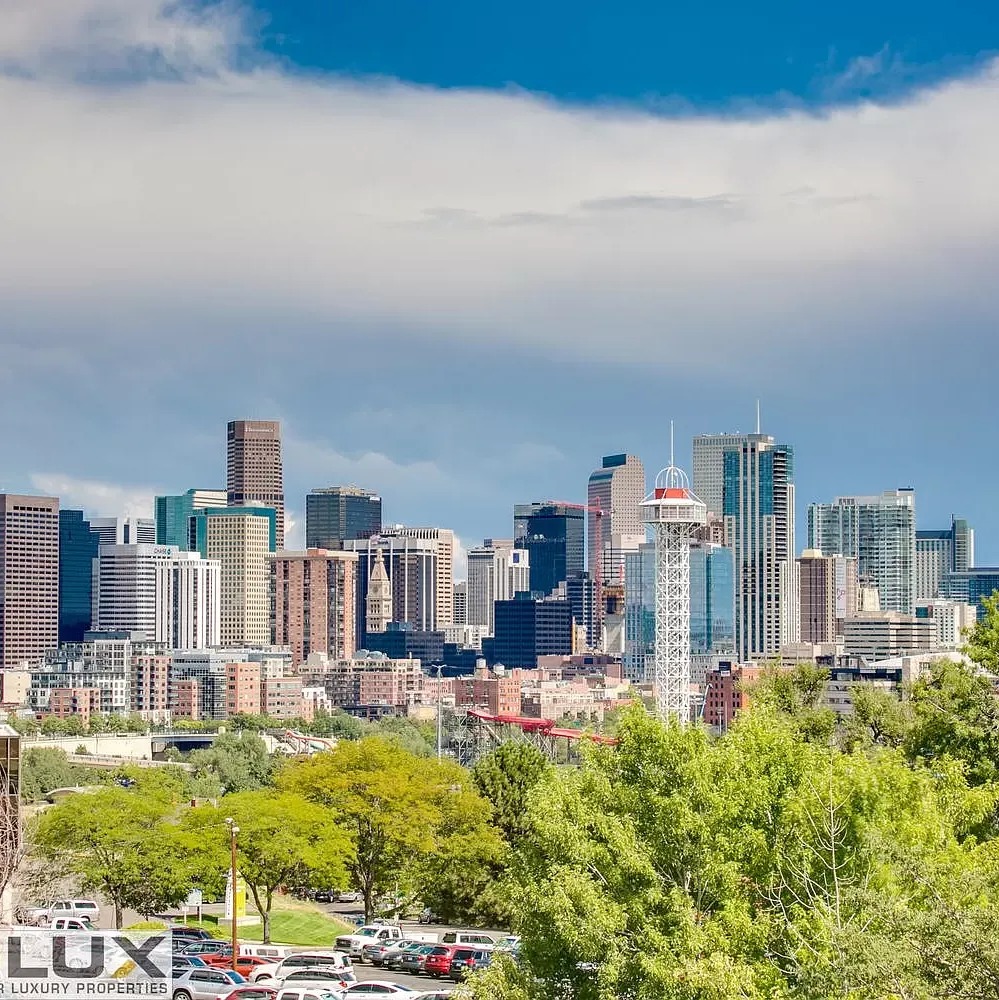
x=205, y=984
x=320, y=979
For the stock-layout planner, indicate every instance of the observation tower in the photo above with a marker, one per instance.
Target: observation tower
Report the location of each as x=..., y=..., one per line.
x=674, y=513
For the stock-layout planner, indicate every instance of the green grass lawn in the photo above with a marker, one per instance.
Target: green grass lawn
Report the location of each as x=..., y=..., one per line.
x=292, y=922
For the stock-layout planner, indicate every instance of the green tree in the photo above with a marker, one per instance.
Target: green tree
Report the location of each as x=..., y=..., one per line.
x=418, y=738
x=982, y=644
x=283, y=839
x=762, y=864
x=397, y=809
x=45, y=768
x=236, y=762
x=120, y=842
x=505, y=778
x=955, y=715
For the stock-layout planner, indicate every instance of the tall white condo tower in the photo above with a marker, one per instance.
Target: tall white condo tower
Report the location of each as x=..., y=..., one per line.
x=673, y=511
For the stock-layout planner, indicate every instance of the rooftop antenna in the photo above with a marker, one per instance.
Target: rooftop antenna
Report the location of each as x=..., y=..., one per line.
x=757, y=416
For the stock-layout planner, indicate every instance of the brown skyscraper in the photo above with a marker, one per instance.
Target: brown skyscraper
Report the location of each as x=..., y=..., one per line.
x=253, y=467
x=828, y=594
x=313, y=595
x=29, y=577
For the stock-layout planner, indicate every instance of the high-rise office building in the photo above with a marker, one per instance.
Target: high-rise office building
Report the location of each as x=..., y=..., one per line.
x=712, y=605
x=583, y=594
x=527, y=629
x=827, y=594
x=712, y=599
x=758, y=502
x=552, y=535
x=173, y=514
x=413, y=567
x=953, y=620
x=77, y=551
x=169, y=595
x=970, y=586
x=443, y=538
x=188, y=601
x=29, y=577
x=460, y=617
x=708, y=479
x=640, y=613
x=614, y=521
x=940, y=552
x=240, y=539
x=496, y=572
x=254, y=473
x=880, y=533
x=124, y=530
x=339, y=513
x=313, y=596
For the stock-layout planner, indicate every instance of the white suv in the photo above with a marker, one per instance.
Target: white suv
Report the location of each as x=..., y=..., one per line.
x=301, y=960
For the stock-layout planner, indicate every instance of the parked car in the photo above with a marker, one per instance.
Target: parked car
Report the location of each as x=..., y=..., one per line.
x=438, y=962
x=205, y=984
x=299, y=994
x=186, y=962
x=320, y=979
x=412, y=961
x=354, y=943
x=246, y=965
x=301, y=960
x=211, y=947
x=189, y=934
x=468, y=937
x=391, y=959
x=427, y=916
x=85, y=909
x=467, y=960
x=379, y=988
x=324, y=896
x=70, y=924
x=350, y=897
x=255, y=992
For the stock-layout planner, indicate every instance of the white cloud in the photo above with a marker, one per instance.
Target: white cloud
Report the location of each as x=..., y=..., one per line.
x=462, y=217
x=460, y=560
x=96, y=498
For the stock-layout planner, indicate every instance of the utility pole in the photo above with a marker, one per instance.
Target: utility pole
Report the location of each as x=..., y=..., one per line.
x=233, y=831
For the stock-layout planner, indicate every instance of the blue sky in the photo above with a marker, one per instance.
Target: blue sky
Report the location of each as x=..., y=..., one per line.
x=463, y=250
x=683, y=54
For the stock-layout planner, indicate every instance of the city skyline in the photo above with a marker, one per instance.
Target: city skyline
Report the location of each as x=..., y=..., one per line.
x=139, y=506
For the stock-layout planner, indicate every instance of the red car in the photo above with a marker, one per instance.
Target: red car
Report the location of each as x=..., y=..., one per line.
x=245, y=964
x=255, y=992
x=438, y=961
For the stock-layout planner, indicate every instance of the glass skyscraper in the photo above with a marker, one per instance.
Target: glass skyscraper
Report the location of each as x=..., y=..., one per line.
x=173, y=515
x=77, y=552
x=880, y=532
x=712, y=599
x=712, y=605
x=552, y=534
x=338, y=514
x=758, y=504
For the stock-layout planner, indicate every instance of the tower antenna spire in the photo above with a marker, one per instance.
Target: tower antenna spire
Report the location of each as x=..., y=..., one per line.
x=671, y=462
x=757, y=416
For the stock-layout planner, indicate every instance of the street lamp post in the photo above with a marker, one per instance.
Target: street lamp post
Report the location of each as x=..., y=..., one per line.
x=233, y=831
